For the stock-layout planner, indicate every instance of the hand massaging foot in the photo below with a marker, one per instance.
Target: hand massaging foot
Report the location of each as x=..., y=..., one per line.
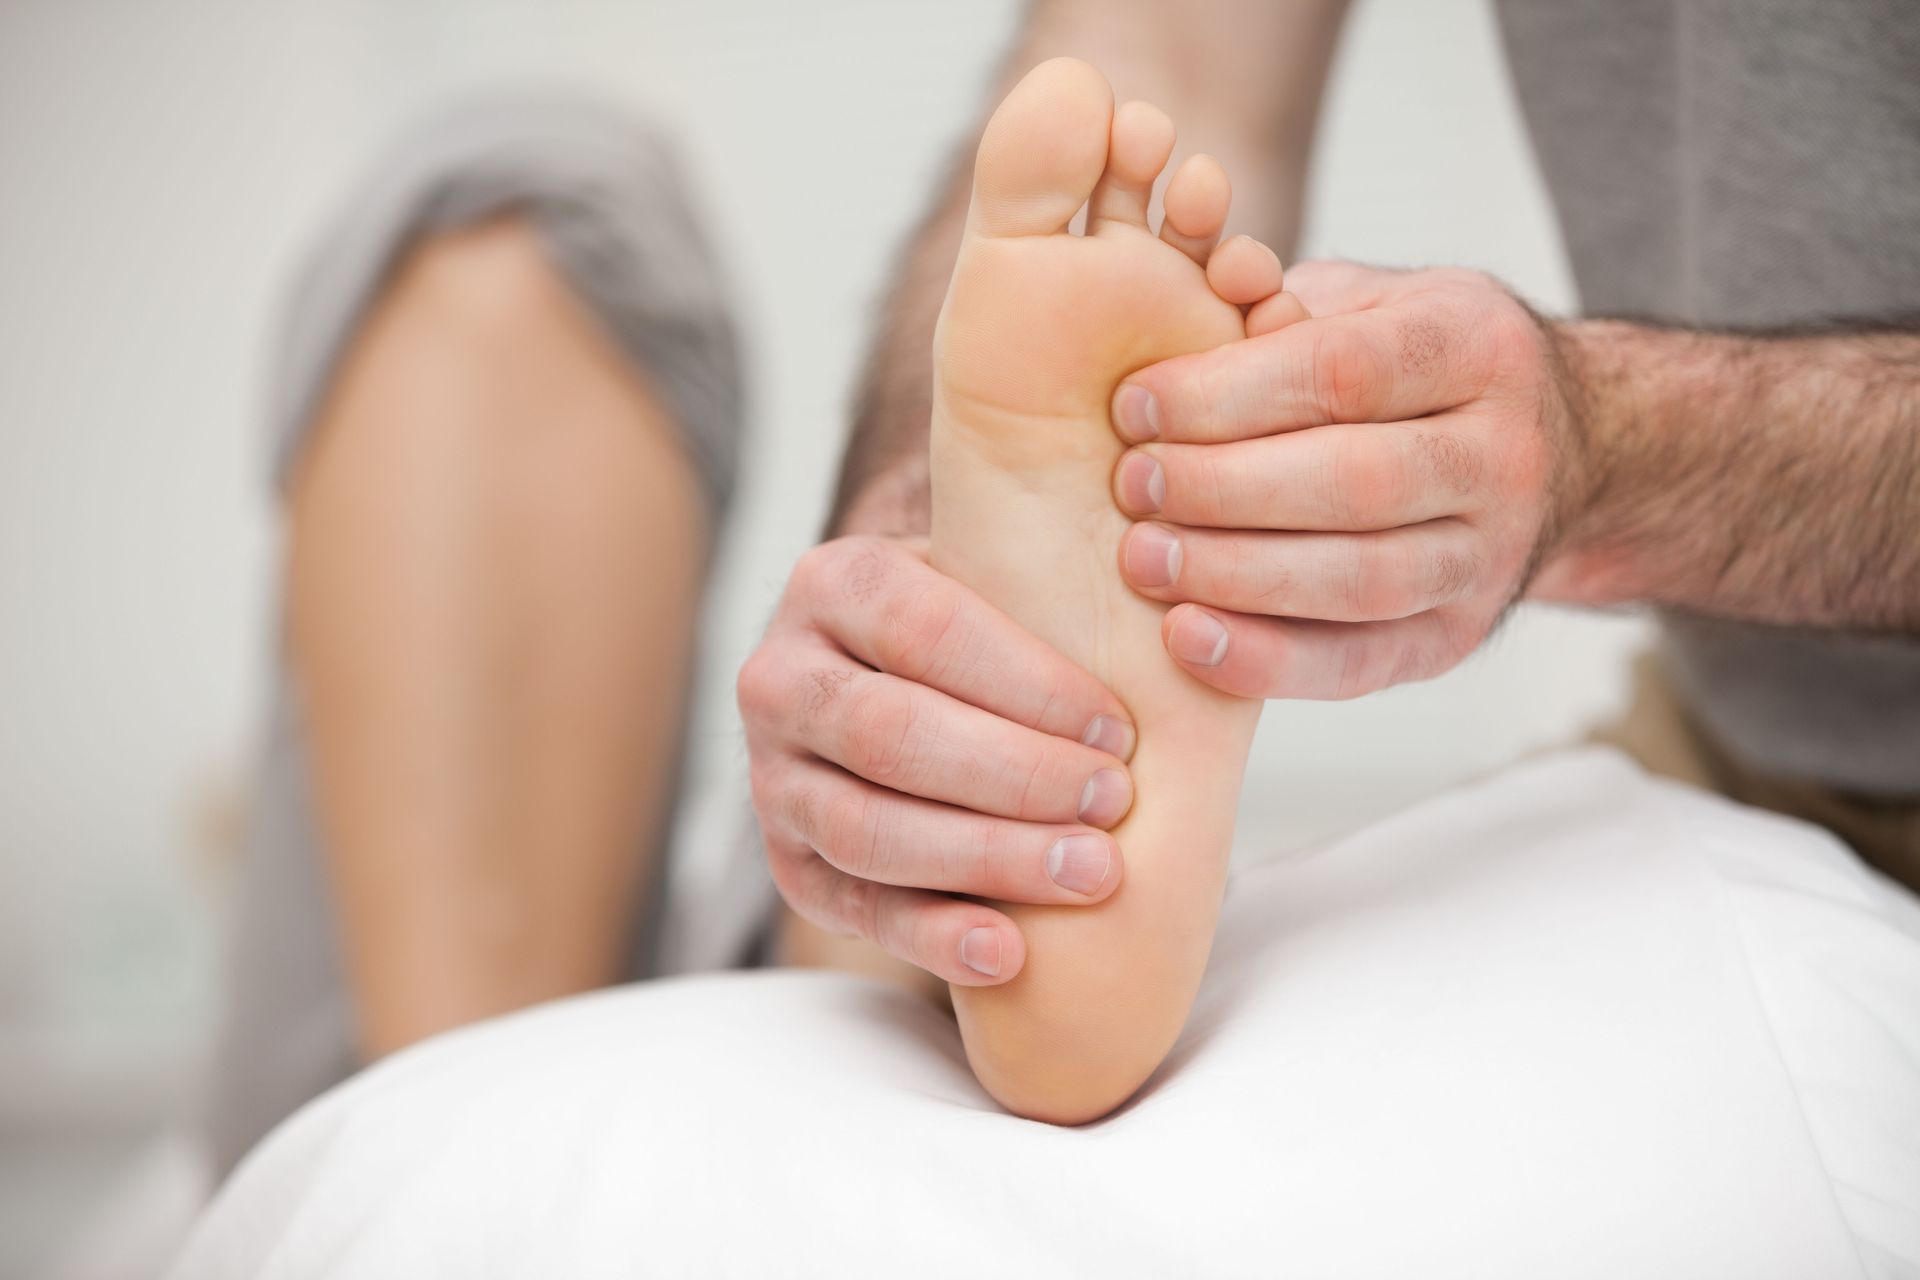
x=1038, y=329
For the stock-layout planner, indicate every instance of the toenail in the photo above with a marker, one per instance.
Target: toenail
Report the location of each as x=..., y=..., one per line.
x=1105, y=798
x=1199, y=639
x=1153, y=556
x=1079, y=864
x=1109, y=734
x=1143, y=484
x=1136, y=415
x=980, y=951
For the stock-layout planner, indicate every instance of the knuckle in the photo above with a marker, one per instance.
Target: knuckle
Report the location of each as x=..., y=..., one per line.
x=1365, y=589
x=856, y=566
x=1349, y=371
x=755, y=686
x=1409, y=664
x=812, y=569
x=798, y=890
x=1210, y=484
x=890, y=923
x=1385, y=581
x=1399, y=582
x=877, y=730
x=1251, y=575
x=799, y=804
x=1054, y=693
x=1035, y=779
x=862, y=567
x=850, y=837
x=1364, y=598
x=1364, y=667
x=1424, y=343
x=995, y=848
x=1369, y=482
x=1509, y=335
x=1451, y=574
x=917, y=935
x=914, y=630
x=1208, y=401
x=1236, y=568
x=1450, y=462
x=762, y=787
x=1464, y=279
x=822, y=689
x=856, y=905
x=1439, y=649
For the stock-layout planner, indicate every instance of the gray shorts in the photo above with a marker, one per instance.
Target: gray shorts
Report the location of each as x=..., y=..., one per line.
x=613, y=212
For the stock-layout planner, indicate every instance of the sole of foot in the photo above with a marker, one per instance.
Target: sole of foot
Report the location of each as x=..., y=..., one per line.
x=1039, y=327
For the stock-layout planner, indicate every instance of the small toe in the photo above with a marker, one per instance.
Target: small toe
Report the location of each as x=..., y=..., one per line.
x=1196, y=207
x=1142, y=141
x=1275, y=312
x=1043, y=151
x=1243, y=271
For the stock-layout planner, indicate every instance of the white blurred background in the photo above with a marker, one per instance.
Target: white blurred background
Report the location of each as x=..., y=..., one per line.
x=160, y=167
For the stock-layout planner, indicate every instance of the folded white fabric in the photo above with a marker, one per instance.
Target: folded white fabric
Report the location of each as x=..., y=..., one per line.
x=1569, y=1022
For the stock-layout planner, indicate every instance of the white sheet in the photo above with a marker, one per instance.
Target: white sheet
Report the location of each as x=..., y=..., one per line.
x=1569, y=1022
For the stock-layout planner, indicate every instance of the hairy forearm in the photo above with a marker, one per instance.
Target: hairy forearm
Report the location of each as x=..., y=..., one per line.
x=1243, y=79
x=1774, y=478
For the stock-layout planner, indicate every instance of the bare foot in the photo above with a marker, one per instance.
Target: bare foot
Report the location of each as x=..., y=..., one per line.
x=1038, y=329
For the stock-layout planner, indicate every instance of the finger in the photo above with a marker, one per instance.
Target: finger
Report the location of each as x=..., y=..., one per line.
x=1372, y=366
x=1195, y=207
x=1252, y=656
x=914, y=739
x=1347, y=478
x=966, y=943
x=893, y=611
x=876, y=834
x=1338, y=577
x=1329, y=287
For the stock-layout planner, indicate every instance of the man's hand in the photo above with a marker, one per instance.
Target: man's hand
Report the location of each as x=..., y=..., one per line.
x=909, y=742
x=1353, y=500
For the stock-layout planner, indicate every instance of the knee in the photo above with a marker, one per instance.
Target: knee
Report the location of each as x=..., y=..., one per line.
x=485, y=278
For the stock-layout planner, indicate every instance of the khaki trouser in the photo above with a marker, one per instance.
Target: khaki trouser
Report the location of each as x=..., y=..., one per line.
x=1657, y=731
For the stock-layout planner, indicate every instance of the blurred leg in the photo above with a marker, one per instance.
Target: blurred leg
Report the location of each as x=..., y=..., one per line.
x=496, y=550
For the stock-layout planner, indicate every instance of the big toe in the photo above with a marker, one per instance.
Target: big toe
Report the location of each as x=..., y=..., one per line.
x=1043, y=151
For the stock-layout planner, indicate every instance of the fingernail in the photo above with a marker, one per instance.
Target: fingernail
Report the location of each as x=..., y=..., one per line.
x=980, y=951
x=1199, y=638
x=1104, y=800
x=1111, y=735
x=1142, y=484
x=1152, y=556
x=1079, y=864
x=1136, y=416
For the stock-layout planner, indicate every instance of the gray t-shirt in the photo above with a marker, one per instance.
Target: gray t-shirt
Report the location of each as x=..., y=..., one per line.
x=1746, y=163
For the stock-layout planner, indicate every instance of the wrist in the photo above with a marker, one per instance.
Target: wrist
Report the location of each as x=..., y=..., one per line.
x=1587, y=555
